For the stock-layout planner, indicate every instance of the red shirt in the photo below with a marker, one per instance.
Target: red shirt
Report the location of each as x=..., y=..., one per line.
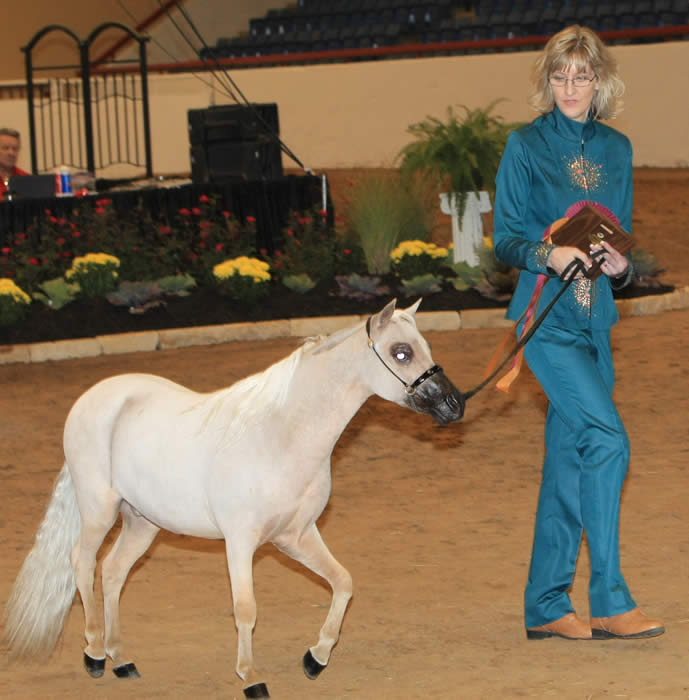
x=3, y=187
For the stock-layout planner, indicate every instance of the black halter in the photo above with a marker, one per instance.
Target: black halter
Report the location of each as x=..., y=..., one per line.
x=409, y=388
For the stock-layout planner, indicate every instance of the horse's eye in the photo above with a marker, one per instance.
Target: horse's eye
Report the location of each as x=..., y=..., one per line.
x=402, y=354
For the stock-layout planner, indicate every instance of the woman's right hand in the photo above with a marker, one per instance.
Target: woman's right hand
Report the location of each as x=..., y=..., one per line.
x=562, y=255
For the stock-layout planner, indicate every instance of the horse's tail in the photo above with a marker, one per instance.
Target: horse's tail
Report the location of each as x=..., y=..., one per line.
x=44, y=590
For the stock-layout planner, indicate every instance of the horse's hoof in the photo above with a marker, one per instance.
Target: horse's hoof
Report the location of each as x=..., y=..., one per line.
x=257, y=690
x=95, y=667
x=126, y=671
x=312, y=667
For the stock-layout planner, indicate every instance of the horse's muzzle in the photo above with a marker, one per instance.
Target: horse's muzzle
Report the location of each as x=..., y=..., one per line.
x=440, y=398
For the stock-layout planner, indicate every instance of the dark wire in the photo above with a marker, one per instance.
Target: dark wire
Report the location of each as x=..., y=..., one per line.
x=224, y=88
x=266, y=126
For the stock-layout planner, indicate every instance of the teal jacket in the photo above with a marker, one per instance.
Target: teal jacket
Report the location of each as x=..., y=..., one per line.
x=549, y=165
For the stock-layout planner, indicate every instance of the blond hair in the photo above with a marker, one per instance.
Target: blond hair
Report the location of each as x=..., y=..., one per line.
x=582, y=48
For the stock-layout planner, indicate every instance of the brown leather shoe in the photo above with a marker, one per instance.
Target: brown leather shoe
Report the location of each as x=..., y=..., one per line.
x=568, y=627
x=630, y=625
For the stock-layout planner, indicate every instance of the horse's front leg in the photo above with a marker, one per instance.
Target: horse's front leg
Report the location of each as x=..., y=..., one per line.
x=240, y=564
x=311, y=551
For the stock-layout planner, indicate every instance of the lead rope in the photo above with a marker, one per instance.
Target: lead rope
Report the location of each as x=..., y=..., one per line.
x=567, y=276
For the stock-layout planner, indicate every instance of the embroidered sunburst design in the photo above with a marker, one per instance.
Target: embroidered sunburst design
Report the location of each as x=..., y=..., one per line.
x=582, y=293
x=584, y=174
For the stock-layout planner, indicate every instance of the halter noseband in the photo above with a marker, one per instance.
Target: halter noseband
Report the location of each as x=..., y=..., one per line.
x=409, y=388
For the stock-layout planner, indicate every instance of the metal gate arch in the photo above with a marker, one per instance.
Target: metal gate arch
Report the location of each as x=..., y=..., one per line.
x=67, y=137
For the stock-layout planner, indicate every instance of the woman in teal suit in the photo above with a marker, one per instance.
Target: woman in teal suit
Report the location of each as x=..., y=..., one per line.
x=565, y=157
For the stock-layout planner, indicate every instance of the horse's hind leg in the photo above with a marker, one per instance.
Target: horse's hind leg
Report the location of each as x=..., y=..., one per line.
x=135, y=538
x=97, y=517
x=311, y=551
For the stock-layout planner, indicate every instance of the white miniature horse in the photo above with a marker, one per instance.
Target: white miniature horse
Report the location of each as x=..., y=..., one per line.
x=248, y=464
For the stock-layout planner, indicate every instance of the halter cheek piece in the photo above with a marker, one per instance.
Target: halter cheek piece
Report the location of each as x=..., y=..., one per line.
x=409, y=388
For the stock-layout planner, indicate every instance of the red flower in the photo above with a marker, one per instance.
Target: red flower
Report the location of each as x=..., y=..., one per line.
x=263, y=251
x=33, y=261
x=219, y=247
x=304, y=221
x=323, y=212
x=184, y=212
x=202, y=244
x=100, y=210
x=278, y=253
x=6, y=251
x=48, y=212
x=290, y=232
x=205, y=224
x=53, y=220
x=76, y=234
x=250, y=219
x=203, y=198
x=62, y=222
x=277, y=264
x=346, y=251
x=196, y=211
x=226, y=214
x=103, y=202
x=165, y=230
x=60, y=240
x=204, y=235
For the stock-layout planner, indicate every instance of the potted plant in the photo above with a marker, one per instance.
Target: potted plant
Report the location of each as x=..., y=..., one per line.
x=461, y=155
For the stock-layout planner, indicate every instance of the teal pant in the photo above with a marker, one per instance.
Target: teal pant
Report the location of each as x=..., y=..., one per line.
x=586, y=458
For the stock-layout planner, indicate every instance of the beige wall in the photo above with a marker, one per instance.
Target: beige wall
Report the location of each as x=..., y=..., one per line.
x=357, y=114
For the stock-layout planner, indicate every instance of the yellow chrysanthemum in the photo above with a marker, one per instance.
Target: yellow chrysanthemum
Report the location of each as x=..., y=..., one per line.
x=81, y=264
x=9, y=288
x=417, y=248
x=244, y=266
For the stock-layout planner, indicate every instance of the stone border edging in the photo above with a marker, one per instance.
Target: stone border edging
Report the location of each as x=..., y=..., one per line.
x=147, y=341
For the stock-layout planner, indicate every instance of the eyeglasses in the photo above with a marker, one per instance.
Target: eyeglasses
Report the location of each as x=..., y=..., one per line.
x=579, y=81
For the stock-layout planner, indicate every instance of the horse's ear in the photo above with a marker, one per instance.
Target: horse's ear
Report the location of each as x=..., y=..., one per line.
x=413, y=308
x=382, y=318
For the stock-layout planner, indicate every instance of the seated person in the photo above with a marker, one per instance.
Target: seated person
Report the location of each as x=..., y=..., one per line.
x=10, y=145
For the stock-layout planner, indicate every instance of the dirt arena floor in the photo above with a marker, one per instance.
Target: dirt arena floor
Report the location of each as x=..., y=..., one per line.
x=434, y=524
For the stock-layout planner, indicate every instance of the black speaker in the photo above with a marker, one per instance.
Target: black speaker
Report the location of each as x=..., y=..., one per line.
x=234, y=142
x=254, y=122
x=226, y=162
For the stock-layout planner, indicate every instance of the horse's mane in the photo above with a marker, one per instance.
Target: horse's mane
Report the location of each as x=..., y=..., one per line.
x=254, y=398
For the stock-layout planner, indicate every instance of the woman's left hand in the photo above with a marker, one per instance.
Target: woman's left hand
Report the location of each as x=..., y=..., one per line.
x=614, y=264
